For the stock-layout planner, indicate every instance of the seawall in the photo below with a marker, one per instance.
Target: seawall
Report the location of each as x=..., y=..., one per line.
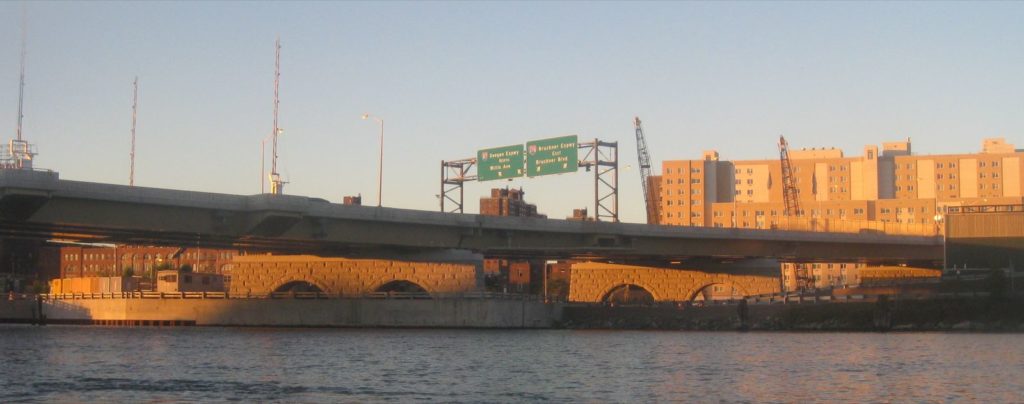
x=441, y=313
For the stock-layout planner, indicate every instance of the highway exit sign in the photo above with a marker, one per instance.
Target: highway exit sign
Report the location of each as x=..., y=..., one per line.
x=499, y=163
x=551, y=156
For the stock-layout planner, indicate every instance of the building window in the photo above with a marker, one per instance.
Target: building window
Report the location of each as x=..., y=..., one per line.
x=938, y=176
x=981, y=164
x=695, y=170
x=695, y=181
x=938, y=165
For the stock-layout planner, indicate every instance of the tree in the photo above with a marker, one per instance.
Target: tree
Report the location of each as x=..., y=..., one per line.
x=185, y=268
x=128, y=272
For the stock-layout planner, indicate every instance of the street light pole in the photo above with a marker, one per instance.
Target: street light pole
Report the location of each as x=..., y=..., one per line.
x=380, y=160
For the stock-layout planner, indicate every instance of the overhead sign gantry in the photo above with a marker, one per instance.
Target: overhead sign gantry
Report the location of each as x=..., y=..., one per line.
x=558, y=155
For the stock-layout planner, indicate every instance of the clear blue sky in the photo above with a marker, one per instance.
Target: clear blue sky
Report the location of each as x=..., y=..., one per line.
x=450, y=78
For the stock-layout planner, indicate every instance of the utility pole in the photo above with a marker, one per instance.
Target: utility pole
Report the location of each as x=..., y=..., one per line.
x=135, y=104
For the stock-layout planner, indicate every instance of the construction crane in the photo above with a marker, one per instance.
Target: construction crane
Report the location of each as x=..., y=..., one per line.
x=791, y=198
x=789, y=190
x=645, y=173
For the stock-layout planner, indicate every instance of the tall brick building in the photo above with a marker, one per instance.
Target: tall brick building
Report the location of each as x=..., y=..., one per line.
x=889, y=187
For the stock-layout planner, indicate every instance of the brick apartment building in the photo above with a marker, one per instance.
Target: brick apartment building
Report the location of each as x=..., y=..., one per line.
x=890, y=185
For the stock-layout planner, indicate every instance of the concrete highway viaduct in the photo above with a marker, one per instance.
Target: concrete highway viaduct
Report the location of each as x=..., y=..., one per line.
x=36, y=204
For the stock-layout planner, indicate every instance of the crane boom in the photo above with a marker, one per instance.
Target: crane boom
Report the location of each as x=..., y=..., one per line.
x=789, y=190
x=791, y=198
x=645, y=172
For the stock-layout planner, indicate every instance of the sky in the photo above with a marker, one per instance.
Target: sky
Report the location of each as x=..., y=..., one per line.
x=449, y=78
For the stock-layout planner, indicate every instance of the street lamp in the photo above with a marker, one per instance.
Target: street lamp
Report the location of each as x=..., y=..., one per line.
x=263, y=157
x=380, y=161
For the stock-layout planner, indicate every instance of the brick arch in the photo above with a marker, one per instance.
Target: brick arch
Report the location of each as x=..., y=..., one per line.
x=692, y=294
x=311, y=282
x=606, y=292
x=385, y=282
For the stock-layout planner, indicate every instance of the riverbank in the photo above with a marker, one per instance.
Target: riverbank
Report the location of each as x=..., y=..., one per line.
x=939, y=314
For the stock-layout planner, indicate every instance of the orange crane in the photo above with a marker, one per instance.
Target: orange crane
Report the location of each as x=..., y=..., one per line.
x=645, y=173
x=789, y=191
x=791, y=198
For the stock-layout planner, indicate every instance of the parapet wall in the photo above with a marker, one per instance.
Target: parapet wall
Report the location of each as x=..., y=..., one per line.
x=263, y=274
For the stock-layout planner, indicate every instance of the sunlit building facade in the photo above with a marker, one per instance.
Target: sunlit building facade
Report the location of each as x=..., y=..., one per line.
x=887, y=189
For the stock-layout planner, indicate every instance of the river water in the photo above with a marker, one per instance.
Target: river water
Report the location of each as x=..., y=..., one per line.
x=79, y=363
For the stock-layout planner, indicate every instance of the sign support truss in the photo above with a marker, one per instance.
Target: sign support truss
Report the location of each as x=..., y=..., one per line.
x=603, y=159
x=453, y=175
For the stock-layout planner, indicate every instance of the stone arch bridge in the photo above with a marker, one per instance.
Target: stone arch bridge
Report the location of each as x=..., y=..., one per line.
x=263, y=274
x=593, y=282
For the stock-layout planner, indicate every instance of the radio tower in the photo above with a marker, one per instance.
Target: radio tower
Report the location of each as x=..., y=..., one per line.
x=18, y=153
x=276, y=185
x=135, y=104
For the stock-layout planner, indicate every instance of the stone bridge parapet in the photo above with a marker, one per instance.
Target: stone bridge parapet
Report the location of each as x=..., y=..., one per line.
x=263, y=274
x=591, y=282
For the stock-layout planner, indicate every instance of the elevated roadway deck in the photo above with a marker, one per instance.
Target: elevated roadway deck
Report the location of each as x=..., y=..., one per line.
x=40, y=205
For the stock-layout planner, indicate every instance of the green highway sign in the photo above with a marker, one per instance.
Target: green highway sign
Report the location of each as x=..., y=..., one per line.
x=499, y=163
x=551, y=156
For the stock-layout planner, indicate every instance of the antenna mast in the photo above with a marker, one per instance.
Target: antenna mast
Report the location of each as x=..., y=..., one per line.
x=21, y=87
x=18, y=153
x=135, y=104
x=276, y=185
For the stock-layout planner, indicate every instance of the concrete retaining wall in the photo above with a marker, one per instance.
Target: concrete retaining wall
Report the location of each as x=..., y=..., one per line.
x=469, y=313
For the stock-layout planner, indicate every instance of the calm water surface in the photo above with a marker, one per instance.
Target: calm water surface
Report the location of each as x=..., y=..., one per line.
x=74, y=364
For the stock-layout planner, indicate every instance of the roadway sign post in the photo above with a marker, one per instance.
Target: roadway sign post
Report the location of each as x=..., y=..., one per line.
x=499, y=163
x=551, y=156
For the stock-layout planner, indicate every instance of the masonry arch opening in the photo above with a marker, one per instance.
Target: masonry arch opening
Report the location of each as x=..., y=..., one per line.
x=717, y=292
x=402, y=286
x=298, y=286
x=629, y=294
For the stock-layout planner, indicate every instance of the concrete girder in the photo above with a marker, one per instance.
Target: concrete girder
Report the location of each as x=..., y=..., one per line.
x=297, y=224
